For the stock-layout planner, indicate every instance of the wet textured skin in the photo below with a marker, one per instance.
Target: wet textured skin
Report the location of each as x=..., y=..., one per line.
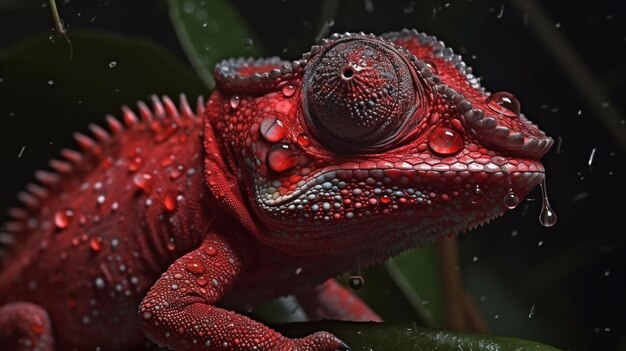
x=292, y=173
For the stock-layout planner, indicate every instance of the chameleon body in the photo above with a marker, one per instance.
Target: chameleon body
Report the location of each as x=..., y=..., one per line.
x=291, y=173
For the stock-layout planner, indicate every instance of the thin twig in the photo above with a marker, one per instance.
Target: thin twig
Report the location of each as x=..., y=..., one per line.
x=451, y=286
x=59, y=28
x=575, y=68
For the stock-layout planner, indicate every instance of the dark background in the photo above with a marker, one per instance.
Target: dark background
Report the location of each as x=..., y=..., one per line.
x=573, y=274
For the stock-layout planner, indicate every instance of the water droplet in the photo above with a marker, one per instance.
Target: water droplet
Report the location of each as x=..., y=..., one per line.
x=445, y=141
x=170, y=203
x=247, y=43
x=504, y=103
x=511, y=200
x=356, y=281
x=112, y=64
x=385, y=200
x=195, y=267
x=171, y=246
x=210, y=250
x=303, y=140
x=135, y=164
x=175, y=173
x=477, y=195
x=234, y=101
x=281, y=158
x=143, y=182
x=95, y=244
x=37, y=327
x=202, y=282
x=50, y=82
x=432, y=67
x=288, y=90
x=547, y=218
x=272, y=129
x=63, y=218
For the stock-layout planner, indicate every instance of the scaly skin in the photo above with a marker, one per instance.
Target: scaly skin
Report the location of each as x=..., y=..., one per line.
x=297, y=172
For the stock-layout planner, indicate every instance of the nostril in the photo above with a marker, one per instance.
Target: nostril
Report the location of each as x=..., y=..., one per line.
x=347, y=73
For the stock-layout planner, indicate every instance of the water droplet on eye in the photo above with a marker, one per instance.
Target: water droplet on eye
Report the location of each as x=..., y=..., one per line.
x=303, y=140
x=234, y=101
x=511, y=200
x=170, y=203
x=288, y=90
x=356, y=282
x=432, y=67
x=445, y=141
x=281, y=158
x=504, y=103
x=63, y=218
x=112, y=64
x=547, y=218
x=143, y=182
x=195, y=267
x=272, y=129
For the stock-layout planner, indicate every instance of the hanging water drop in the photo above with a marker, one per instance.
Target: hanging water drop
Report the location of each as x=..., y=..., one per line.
x=511, y=200
x=504, y=103
x=547, y=217
x=234, y=101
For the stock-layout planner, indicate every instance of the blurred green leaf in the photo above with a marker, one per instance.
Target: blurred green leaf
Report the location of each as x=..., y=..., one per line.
x=211, y=31
x=399, y=337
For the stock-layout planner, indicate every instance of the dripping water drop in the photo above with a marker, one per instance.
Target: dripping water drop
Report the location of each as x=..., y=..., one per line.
x=511, y=200
x=547, y=218
x=234, y=101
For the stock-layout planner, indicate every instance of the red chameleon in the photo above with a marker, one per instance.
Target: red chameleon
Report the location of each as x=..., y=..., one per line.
x=292, y=173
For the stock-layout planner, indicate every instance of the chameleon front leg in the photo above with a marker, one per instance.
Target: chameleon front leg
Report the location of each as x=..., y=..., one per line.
x=179, y=310
x=330, y=300
x=25, y=326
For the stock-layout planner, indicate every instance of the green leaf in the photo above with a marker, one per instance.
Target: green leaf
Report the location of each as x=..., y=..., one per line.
x=400, y=337
x=211, y=31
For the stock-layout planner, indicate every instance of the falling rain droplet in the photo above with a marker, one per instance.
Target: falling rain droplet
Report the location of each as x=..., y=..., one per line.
x=511, y=200
x=356, y=281
x=63, y=218
x=288, y=90
x=547, y=217
x=234, y=101
x=112, y=64
x=247, y=43
x=505, y=103
x=51, y=82
x=445, y=141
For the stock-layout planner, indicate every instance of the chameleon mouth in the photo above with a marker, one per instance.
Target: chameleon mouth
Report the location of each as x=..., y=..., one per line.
x=519, y=174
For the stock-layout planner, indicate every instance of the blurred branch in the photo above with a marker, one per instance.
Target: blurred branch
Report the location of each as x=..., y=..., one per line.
x=451, y=285
x=575, y=69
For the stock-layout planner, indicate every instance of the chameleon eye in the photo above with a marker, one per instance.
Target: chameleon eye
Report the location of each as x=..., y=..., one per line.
x=359, y=93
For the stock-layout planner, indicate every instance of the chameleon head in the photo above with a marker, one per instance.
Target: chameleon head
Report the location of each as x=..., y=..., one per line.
x=372, y=142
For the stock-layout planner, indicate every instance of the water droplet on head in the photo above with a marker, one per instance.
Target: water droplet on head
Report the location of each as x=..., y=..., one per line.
x=95, y=244
x=143, y=182
x=272, y=129
x=288, y=90
x=170, y=203
x=504, y=103
x=511, y=200
x=63, y=218
x=195, y=267
x=445, y=141
x=281, y=158
x=432, y=67
x=356, y=281
x=547, y=217
x=234, y=101
x=303, y=140
x=210, y=250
